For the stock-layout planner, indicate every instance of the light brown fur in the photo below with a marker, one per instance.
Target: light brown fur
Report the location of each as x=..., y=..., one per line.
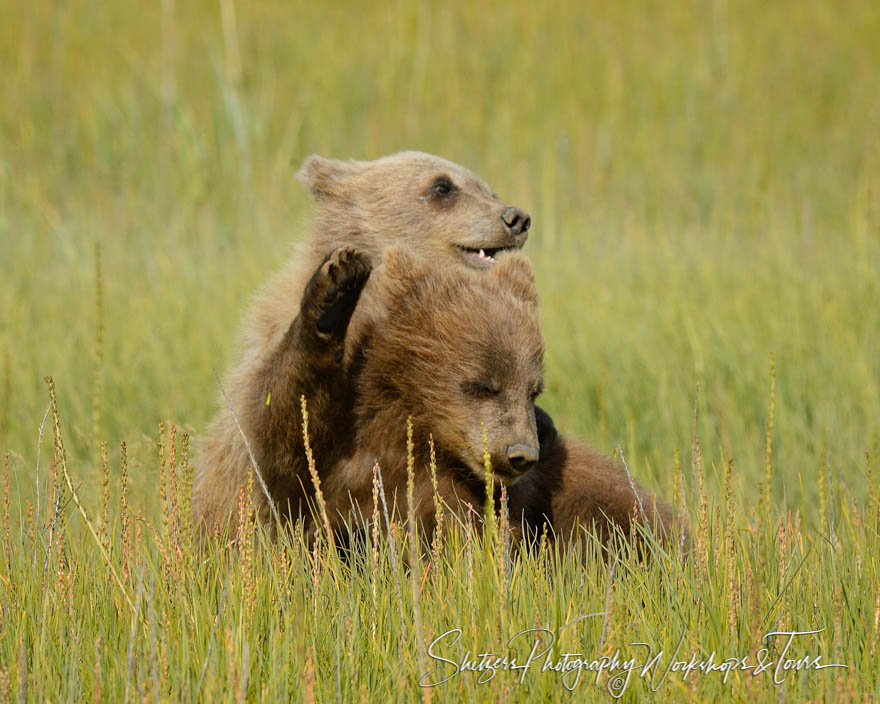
x=411, y=341
x=367, y=207
x=445, y=333
x=457, y=352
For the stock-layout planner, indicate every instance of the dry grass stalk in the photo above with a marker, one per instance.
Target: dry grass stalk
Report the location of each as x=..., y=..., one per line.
x=6, y=529
x=489, y=522
x=125, y=516
x=31, y=522
x=59, y=444
x=505, y=541
x=391, y=527
x=733, y=585
x=374, y=552
x=439, y=516
x=187, y=526
x=246, y=534
x=247, y=445
x=313, y=473
x=782, y=537
x=163, y=490
x=702, y=532
x=414, y=546
x=410, y=490
x=876, y=635
x=105, y=497
x=173, y=513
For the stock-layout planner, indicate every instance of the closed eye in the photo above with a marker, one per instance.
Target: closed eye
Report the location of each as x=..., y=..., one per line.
x=481, y=389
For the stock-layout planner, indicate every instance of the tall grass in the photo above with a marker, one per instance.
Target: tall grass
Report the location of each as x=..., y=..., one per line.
x=153, y=613
x=704, y=180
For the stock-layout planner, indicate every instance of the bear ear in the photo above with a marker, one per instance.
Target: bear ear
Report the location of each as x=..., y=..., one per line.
x=515, y=274
x=325, y=178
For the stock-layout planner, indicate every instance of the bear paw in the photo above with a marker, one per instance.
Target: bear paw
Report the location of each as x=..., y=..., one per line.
x=333, y=291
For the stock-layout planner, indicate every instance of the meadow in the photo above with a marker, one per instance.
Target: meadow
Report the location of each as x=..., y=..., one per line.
x=704, y=184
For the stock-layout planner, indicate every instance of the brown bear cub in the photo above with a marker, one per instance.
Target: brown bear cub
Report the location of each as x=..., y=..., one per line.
x=459, y=351
x=431, y=207
x=456, y=350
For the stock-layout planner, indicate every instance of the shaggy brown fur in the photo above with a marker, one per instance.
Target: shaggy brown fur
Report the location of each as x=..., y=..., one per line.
x=433, y=208
x=455, y=350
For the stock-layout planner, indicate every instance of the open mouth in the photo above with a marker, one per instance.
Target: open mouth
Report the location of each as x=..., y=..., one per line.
x=482, y=256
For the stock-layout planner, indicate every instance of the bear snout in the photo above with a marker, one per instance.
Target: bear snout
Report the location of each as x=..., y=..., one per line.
x=521, y=457
x=516, y=221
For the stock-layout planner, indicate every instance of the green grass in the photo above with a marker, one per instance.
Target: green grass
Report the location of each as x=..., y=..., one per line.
x=704, y=179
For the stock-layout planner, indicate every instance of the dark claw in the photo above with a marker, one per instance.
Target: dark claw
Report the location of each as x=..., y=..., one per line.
x=344, y=274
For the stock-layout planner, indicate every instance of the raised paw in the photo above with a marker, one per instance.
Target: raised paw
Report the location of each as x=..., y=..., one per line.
x=334, y=289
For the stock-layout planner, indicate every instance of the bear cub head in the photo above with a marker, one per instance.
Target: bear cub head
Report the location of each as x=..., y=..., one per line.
x=460, y=351
x=432, y=207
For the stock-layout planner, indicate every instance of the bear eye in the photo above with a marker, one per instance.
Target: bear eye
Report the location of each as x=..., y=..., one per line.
x=482, y=389
x=536, y=391
x=442, y=188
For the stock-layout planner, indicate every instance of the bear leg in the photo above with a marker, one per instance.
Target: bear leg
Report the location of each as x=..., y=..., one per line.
x=308, y=363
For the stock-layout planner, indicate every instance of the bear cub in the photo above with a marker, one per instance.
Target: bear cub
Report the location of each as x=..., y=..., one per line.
x=457, y=351
x=433, y=208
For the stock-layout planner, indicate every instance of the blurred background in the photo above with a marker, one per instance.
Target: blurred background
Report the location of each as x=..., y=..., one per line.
x=703, y=178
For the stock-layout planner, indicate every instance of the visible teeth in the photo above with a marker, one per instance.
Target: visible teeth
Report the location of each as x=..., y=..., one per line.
x=480, y=254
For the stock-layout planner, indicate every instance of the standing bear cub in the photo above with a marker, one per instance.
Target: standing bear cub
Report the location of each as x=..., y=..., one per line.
x=431, y=207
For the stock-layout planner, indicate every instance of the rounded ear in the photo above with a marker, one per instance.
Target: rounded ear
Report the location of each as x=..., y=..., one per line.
x=515, y=274
x=403, y=276
x=325, y=178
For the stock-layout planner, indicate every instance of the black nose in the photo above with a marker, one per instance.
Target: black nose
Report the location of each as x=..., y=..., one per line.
x=516, y=220
x=521, y=457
